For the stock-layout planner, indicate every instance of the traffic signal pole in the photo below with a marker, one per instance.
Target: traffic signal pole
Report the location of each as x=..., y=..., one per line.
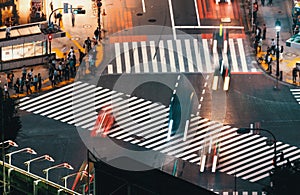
x=99, y=4
x=49, y=19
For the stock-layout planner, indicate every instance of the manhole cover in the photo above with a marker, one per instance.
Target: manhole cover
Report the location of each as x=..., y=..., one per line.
x=139, y=14
x=152, y=20
x=75, y=38
x=87, y=26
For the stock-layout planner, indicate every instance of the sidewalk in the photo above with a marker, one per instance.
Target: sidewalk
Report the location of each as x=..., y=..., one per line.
x=268, y=15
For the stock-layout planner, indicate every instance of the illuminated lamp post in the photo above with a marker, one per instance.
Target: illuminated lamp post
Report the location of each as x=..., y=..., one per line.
x=44, y=157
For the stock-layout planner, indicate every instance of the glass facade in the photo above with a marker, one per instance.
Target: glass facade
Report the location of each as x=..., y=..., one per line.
x=25, y=50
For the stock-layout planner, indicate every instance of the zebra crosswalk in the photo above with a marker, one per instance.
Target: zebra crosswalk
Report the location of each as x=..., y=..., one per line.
x=181, y=55
x=241, y=193
x=246, y=156
x=296, y=93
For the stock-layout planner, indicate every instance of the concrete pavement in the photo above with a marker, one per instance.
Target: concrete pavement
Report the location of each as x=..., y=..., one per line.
x=268, y=15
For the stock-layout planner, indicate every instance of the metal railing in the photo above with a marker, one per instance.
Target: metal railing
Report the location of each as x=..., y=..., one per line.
x=35, y=180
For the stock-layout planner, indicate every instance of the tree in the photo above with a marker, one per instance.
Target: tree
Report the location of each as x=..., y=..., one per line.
x=9, y=121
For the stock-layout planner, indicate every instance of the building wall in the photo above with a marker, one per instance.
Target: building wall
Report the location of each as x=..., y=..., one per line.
x=23, y=7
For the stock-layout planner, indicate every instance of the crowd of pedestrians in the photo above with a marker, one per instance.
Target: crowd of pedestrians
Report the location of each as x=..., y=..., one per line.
x=63, y=69
x=268, y=55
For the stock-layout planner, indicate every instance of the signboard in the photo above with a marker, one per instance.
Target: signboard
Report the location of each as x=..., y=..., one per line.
x=66, y=7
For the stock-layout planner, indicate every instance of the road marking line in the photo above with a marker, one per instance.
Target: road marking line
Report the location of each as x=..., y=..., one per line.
x=75, y=104
x=189, y=55
x=61, y=100
x=207, y=56
x=145, y=57
x=233, y=56
x=197, y=12
x=180, y=56
x=172, y=19
x=154, y=59
x=51, y=97
x=144, y=6
x=48, y=94
x=118, y=58
x=110, y=69
x=242, y=55
x=209, y=27
x=136, y=57
x=127, y=58
x=171, y=56
x=162, y=56
x=198, y=56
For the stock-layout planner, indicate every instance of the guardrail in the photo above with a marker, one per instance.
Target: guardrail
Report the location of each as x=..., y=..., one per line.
x=19, y=180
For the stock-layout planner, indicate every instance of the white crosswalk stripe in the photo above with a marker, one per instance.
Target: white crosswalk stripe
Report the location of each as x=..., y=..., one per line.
x=296, y=94
x=241, y=193
x=181, y=55
x=246, y=156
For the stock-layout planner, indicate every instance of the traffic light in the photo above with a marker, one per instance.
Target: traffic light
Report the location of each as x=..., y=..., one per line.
x=99, y=3
x=66, y=7
x=79, y=11
x=50, y=37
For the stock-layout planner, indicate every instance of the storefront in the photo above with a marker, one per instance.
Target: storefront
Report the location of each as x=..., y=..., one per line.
x=8, y=13
x=37, y=11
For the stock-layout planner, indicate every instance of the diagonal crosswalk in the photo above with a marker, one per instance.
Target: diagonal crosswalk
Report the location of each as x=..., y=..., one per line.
x=246, y=156
x=296, y=93
x=181, y=55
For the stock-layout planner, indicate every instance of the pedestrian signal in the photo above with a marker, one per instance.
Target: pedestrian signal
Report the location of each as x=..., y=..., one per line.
x=50, y=37
x=79, y=11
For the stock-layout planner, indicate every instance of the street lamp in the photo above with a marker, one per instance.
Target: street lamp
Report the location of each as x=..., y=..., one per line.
x=62, y=165
x=73, y=174
x=44, y=157
x=247, y=130
x=10, y=143
x=28, y=150
x=277, y=28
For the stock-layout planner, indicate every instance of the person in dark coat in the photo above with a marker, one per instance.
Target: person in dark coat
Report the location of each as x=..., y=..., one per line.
x=295, y=71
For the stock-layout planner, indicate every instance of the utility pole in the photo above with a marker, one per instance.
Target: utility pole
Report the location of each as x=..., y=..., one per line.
x=99, y=4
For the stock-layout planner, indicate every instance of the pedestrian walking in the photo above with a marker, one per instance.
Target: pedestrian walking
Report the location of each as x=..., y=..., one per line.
x=35, y=82
x=22, y=83
x=96, y=33
x=73, y=19
x=269, y=61
x=87, y=45
x=7, y=32
x=67, y=73
x=258, y=33
x=273, y=46
x=24, y=71
x=263, y=3
x=294, y=72
x=270, y=3
x=6, y=92
x=28, y=85
x=264, y=32
x=281, y=53
x=17, y=86
x=260, y=43
x=81, y=56
x=51, y=6
x=39, y=84
x=255, y=45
